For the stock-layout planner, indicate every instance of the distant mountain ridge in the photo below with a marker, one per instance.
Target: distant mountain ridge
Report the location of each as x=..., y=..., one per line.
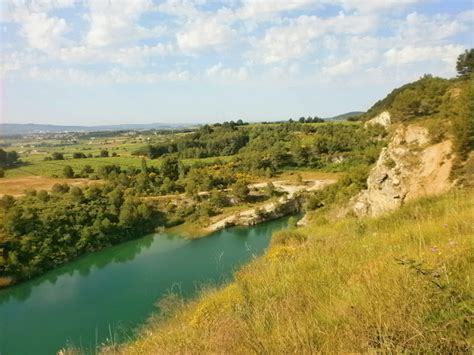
x=8, y=129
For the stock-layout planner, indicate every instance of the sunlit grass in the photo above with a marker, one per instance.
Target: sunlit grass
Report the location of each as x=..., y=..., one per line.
x=398, y=283
x=35, y=165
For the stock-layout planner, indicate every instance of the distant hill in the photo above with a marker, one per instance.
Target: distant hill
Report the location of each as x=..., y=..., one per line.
x=345, y=116
x=8, y=129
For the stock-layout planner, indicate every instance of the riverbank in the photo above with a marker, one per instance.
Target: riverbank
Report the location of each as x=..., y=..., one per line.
x=289, y=200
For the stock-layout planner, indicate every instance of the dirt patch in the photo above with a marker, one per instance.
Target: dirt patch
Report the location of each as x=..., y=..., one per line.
x=17, y=186
x=416, y=135
x=454, y=93
x=433, y=176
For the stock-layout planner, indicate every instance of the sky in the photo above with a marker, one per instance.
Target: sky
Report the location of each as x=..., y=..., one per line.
x=94, y=62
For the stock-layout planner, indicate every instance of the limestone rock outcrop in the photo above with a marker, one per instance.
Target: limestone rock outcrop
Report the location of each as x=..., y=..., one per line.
x=382, y=119
x=407, y=168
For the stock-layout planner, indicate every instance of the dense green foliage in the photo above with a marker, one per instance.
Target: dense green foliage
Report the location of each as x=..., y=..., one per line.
x=444, y=106
x=8, y=159
x=342, y=190
x=43, y=230
x=206, y=142
x=463, y=123
x=465, y=64
x=421, y=98
x=265, y=149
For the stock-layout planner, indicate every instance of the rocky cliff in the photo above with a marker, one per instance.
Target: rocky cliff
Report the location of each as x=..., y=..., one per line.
x=409, y=167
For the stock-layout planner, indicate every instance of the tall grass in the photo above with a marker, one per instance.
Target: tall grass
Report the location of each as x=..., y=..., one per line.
x=398, y=283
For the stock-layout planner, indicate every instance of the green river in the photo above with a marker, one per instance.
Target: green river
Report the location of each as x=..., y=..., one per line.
x=111, y=292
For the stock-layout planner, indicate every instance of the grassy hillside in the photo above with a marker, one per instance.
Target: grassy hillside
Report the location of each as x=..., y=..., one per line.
x=402, y=282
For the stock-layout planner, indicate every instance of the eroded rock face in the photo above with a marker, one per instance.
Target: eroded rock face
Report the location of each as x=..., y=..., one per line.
x=408, y=168
x=382, y=119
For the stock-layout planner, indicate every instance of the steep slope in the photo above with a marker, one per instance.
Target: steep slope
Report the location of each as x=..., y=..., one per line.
x=398, y=283
x=408, y=168
x=432, y=127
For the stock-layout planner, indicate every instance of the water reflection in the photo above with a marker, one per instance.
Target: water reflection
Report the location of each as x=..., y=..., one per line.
x=116, y=289
x=83, y=266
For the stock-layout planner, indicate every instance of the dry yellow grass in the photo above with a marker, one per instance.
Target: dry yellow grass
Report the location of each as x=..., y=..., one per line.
x=17, y=186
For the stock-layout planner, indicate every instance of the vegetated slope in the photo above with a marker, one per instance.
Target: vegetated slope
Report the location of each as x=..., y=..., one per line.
x=400, y=282
x=429, y=115
x=444, y=107
x=430, y=125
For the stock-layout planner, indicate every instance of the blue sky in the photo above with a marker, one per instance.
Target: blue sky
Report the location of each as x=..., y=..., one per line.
x=188, y=61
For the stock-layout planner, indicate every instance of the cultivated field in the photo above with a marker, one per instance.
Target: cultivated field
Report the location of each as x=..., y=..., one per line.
x=19, y=185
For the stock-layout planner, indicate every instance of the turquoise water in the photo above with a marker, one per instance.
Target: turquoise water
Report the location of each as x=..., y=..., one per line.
x=110, y=293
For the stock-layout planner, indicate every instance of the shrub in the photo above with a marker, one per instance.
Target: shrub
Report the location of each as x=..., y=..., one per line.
x=78, y=155
x=68, y=172
x=57, y=156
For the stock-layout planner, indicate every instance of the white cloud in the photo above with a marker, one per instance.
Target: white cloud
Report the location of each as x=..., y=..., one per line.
x=113, y=76
x=280, y=44
x=182, y=8
x=342, y=68
x=48, y=5
x=114, y=21
x=295, y=40
x=365, y=36
x=127, y=56
x=419, y=28
x=43, y=32
x=11, y=9
x=466, y=16
x=410, y=54
x=259, y=10
x=204, y=33
x=12, y=62
x=40, y=30
x=371, y=6
x=219, y=72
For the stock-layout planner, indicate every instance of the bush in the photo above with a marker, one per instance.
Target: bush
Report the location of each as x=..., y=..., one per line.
x=57, y=156
x=240, y=190
x=68, y=172
x=78, y=155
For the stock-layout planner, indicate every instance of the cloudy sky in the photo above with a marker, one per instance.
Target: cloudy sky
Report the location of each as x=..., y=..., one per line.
x=184, y=61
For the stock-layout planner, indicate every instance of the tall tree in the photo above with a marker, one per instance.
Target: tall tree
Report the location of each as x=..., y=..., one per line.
x=465, y=64
x=170, y=168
